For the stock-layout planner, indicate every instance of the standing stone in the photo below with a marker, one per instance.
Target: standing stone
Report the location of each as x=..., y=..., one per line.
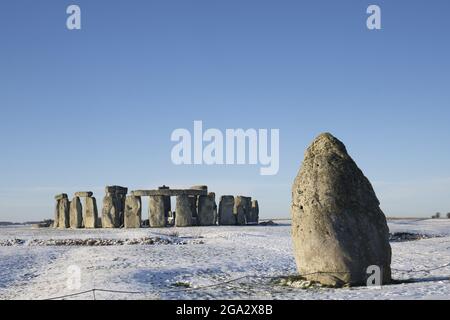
x=56, y=221
x=338, y=228
x=193, y=204
x=226, y=215
x=206, y=205
x=110, y=213
x=64, y=213
x=76, y=213
x=240, y=209
x=215, y=213
x=167, y=203
x=156, y=212
x=253, y=217
x=90, y=213
x=133, y=212
x=121, y=193
x=183, y=217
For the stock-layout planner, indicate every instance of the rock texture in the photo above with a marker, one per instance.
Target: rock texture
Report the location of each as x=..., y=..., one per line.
x=64, y=213
x=110, y=212
x=76, y=213
x=206, y=206
x=133, y=212
x=156, y=211
x=226, y=215
x=242, y=206
x=253, y=216
x=90, y=213
x=338, y=228
x=183, y=217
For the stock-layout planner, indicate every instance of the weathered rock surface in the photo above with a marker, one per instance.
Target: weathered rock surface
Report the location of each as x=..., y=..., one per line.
x=167, y=203
x=226, y=215
x=82, y=194
x=90, y=213
x=253, y=216
x=133, y=212
x=338, y=228
x=61, y=196
x=56, y=219
x=110, y=212
x=169, y=192
x=157, y=214
x=183, y=217
x=64, y=213
x=76, y=213
x=242, y=206
x=206, y=206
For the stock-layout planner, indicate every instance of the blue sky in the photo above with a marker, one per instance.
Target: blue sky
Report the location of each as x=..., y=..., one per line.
x=94, y=107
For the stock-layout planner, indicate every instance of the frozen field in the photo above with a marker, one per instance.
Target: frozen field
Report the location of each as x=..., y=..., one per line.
x=203, y=263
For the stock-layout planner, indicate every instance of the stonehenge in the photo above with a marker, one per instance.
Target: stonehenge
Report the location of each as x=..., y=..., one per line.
x=194, y=207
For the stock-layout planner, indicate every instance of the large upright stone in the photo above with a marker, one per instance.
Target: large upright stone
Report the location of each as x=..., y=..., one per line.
x=117, y=195
x=133, y=212
x=183, y=217
x=241, y=207
x=56, y=219
x=76, y=213
x=193, y=203
x=167, y=203
x=338, y=228
x=206, y=206
x=90, y=213
x=226, y=215
x=110, y=212
x=64, y=213
x=253, y=217
x=156, y=212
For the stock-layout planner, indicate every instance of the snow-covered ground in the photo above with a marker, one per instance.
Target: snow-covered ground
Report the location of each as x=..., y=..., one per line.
x=204, y=263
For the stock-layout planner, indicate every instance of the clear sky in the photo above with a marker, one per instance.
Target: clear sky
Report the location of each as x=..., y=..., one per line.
x=94, y=107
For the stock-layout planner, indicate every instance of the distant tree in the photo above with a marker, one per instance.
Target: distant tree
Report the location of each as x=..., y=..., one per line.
x=436, y=216
x=448, y=215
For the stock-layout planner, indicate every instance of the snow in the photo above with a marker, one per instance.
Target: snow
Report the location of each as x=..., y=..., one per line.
x=220, y=262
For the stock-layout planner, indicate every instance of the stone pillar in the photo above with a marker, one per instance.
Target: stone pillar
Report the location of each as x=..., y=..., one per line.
x=193, y=205
x=121, y=194
x=76, y=213
x=156, y=212
x=58, y=199
x=183, y=217
x=90, y=213
x=64, y=213
x=254, y=216
x=113, y=213
x=167, y=204
x=206, y=206
x=240, y=206
x=110, y=213
x=226, y=215
x=133, y=212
